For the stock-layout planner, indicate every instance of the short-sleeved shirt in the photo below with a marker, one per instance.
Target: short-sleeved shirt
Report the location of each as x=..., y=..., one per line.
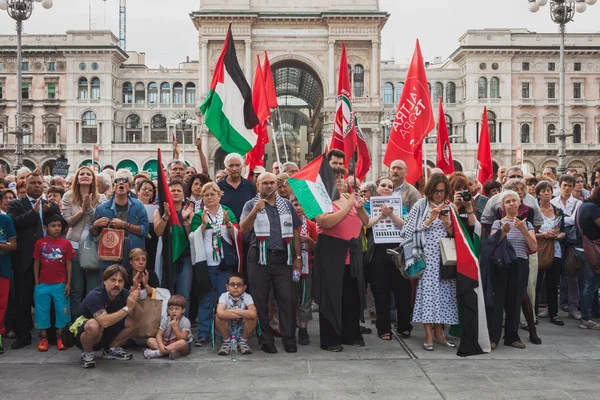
x=514, y=237
x=242, y=305
x=588, y=214
x=7, y=232
x=53, y=255
x=169, y=333
x=97, y=300
x=235, y=198
x=275, y=241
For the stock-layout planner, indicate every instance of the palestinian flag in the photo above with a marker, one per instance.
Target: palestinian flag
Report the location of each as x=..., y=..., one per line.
x=228, y=110
x=174, y=241
x=475, y=338
x=314, y=186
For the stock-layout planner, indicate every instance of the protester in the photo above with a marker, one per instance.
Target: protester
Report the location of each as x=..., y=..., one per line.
x=531, y=184
x=22, y=188
x=8, y=243
x=55, y=194
x=6, y=196
x=409, y=194
x=338, y=278
x=236, y=190
x=107, y=318
x=194, y=190
x=146, y=194
x=491, y=188
x=510, y=281
x=214, y=220
x=57, y=181
x=275, y=168
x=283, y=189
x=501, y=174
x=272, y=224
x=174, y=335
x=368, y=189
x=146, y=191
x=69, y=181
x=140, y=276
x=336, y=158
x=579, y=192
x=220, y=175
x=176, y=170
x=103, y=184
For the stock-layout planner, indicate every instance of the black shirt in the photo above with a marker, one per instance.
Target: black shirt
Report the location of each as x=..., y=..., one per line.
x=97, y=300
x=588, y=214
x=235, y=198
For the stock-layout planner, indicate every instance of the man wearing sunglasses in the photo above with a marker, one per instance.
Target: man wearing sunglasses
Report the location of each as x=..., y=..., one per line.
x=122, y=212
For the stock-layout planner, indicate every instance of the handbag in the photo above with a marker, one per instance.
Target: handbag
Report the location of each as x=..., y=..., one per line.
x=448, y=252
x=574, y=264
x=545, y=251
x=88, y=254
x=111, y=244
x=591, y=248
x=151, y=321
x=411, y=272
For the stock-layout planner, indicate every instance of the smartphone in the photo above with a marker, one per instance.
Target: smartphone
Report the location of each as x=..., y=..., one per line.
x=445, y=212
x=520, y=218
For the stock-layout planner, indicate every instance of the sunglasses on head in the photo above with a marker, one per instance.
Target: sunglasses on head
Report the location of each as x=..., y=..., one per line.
x=120, y=180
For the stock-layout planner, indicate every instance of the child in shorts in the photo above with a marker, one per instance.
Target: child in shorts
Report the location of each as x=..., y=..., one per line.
x=175, y=334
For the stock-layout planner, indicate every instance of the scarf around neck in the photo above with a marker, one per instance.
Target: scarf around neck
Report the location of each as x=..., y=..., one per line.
x=262, y=228
x=216, y=223
x=304, y=232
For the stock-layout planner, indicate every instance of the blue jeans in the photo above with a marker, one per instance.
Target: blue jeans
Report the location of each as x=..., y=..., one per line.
x=591, y=282
x=206, y=303
x=184, y=281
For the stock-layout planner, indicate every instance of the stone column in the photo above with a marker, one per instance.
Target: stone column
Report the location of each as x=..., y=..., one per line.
x=331, y=76
x=248, y=66
x=204, y=67
x=375, y=68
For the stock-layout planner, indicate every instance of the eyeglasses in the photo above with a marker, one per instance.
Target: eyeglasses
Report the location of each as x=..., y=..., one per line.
x=515, y=177
x=443, y=191
x=235, y=284
x=121, y=180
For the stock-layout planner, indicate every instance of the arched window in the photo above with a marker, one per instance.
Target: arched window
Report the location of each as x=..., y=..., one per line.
x=388, y=93
x=127, y=93
x=495, y=88
x=51, y=134
x=190, y=93
x=492, y=126
x=551, y=130
x=525, y=133
x=158, y=129
x=165, y=93
x=152, y=93
x=95, y=89
x=449, y=125
x=399, y=89
x=577, y=133
x=482, y=88
x=438, y=92
x=178, y=93
x=358, y=88
x=140, y=93
x=83, y=89
x=133, y=129
x=451, y=93
x=89, y=131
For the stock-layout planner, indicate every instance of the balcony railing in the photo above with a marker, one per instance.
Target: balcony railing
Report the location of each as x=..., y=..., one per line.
x=34, y=146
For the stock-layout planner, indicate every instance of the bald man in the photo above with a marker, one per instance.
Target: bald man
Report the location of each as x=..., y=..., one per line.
x=405, y=190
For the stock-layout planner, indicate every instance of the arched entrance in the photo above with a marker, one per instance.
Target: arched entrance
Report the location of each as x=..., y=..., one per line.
x=220, y=159
x=300, y=97
x=130, y=165
x=457, y=166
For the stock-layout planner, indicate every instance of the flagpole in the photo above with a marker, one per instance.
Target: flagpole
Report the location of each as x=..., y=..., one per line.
x=425, y=158
x=284, y=146
x=275, y=143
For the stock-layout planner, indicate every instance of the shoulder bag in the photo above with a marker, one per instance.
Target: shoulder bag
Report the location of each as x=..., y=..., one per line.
x=88, y=253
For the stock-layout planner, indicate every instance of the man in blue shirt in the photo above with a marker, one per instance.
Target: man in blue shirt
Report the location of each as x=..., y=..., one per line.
x=236, y=190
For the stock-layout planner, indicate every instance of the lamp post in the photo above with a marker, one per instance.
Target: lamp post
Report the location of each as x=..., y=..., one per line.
x=562, y=12
x=182, y=121
x=20, y=10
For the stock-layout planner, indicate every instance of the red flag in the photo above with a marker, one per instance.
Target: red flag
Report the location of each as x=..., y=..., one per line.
x=256, y=156
x=269, y=85
x=485, y=170
x=363, y=163
x=444, y=153
x=344, y=132
x=413, y=121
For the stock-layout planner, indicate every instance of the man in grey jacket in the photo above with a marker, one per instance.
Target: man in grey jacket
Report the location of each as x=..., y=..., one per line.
x=405, y=190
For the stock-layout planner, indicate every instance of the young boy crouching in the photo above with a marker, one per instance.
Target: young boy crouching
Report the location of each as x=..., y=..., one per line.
x=235, y=311
x=175, y=333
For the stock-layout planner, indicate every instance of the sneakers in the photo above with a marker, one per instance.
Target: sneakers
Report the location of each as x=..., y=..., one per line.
x=575, y=314
x=543, y=314
x=60, y=344
x=149, y=353
x=43, y=346
x=116, y=353
x=201, y=342
x=589, y=325
x=225, y=349
x=88, y=360
x=244, y=348
x=303, y=337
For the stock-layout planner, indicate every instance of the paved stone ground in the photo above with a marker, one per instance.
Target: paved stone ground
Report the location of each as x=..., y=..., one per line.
x=565, y=366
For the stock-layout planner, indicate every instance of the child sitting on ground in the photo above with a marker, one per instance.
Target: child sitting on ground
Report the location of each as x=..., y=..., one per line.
x=235, y=307
x=52, y=273
x=175, y=334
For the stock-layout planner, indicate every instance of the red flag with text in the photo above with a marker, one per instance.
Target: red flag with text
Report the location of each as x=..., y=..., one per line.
x=256, y=156
x=444, y=153
x=413, y=120
x=344, y=132
x=485, y=170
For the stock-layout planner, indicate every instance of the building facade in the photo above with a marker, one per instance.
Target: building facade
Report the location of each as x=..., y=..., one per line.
x=80, y=89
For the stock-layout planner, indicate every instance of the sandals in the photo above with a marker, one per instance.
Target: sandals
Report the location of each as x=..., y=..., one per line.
x=385, y=336
x=557, y=321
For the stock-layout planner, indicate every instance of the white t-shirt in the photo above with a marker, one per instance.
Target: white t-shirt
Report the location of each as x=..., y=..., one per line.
x=245, y=301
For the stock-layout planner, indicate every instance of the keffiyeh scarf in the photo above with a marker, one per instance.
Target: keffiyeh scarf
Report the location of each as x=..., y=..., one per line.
x=216, y=224
x=304, y=232
x=412, y=234
x=262, y=228
x=237, y=303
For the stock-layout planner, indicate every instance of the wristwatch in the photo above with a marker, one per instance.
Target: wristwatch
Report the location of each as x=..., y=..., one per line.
x=126, y=309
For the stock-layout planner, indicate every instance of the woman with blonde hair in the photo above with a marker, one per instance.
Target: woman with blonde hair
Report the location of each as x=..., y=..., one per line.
x=78, y=207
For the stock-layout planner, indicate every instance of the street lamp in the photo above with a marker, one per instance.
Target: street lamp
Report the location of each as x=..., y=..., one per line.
x=182, y=121
x=20, y=10
x=562, y=12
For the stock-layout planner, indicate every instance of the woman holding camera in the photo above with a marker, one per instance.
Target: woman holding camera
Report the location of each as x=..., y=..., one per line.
x=463, y=200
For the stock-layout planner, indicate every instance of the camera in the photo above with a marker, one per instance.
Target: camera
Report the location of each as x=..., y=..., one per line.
x=466, y=195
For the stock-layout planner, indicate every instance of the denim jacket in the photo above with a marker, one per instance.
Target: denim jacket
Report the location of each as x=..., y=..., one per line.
x=137, y=215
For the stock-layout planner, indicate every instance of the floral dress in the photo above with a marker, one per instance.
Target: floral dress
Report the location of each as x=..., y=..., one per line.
x=436, y=298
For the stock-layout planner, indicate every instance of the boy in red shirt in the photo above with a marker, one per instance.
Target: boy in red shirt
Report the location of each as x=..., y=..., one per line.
x=52, y=273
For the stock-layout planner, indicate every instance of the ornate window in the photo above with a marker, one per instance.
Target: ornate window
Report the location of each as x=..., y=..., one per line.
x=190, y=93
x=358, y=88
x=133, y=129
x=451, y=93
x=152, y=93
x=83, y=89
x=551, y=130
x=89, y=131
x=482, y=88
x=449, y=125
x=95, y=88
x=388, y=93
x=140, y=93
x=158, y=129
x=399, y=89
x=438, y=92
x=165, y=93
x=127, y=93
x=577, y=133
x=525, y=133
x=178, y=93
x=492, y=126
x=495, y=88
x=51, y=134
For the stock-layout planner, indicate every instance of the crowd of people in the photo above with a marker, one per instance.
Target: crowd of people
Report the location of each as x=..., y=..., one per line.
x=286, y=265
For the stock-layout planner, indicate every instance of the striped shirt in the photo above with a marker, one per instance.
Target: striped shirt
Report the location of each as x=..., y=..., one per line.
x=514, y=237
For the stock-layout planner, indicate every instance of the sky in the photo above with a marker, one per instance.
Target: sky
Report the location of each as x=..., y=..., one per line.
x=163, y=29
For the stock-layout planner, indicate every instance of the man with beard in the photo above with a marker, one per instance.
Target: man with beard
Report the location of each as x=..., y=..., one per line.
x=410, y=196
x=122, y=212
x=272, y=225
x=176, y=170
x=336, y=158
x=107, y=318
